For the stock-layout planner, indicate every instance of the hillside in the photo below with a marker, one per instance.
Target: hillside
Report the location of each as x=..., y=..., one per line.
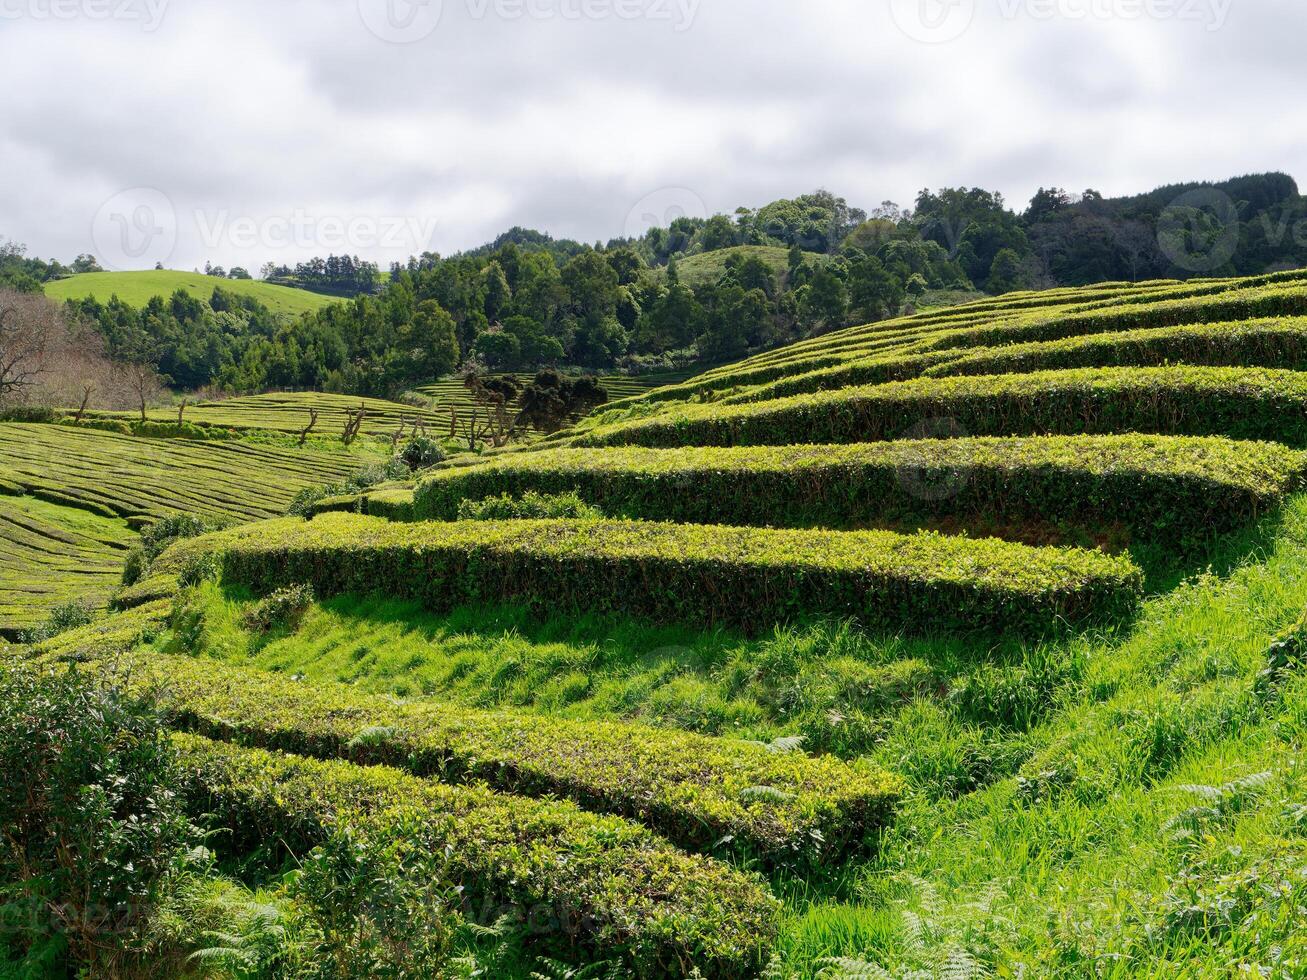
x=138, y=288
x=967, y=643
x=706, y=268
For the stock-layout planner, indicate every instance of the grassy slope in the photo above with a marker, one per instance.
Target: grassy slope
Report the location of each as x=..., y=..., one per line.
x=137, y=288
x=707, y=267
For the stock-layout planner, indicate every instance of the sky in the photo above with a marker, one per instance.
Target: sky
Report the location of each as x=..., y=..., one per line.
x=248, y=131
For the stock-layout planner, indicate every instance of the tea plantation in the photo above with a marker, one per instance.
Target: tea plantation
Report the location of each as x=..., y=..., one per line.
x=966, y=644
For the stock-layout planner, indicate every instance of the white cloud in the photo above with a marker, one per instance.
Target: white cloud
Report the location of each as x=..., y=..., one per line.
x=271, y=110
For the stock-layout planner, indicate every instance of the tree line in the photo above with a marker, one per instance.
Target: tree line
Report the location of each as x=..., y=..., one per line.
x=528, y=301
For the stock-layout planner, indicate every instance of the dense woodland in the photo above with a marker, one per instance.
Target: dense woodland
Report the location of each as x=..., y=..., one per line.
x=528, y=300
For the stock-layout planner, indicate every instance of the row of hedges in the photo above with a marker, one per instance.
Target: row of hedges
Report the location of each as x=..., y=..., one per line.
x=1157, y=486
x=1245, y=304
x=1272, y=343
x=748, y=578
x=1242, y=403
x=704, y=794
x=587, y=886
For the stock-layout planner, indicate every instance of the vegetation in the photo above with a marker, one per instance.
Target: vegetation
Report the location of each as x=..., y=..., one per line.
x=1150, y=486
x=137, y=289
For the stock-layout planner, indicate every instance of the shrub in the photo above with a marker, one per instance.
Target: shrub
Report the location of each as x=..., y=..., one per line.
x=529, y=506
x=422, y=453
x=595, y=886
x=751, y=578
x=62, y=618
x=688, y=787
x=156, y=537
x=1158, y=486
x=1235, y=402
x=283, y=609
x=308, y=500
x=90, y=818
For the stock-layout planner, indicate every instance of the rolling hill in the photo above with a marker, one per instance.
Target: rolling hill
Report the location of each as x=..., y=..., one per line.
x=138, y=288
x=964, y=644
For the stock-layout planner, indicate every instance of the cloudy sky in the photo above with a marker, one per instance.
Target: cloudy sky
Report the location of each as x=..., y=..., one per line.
x=247, y=130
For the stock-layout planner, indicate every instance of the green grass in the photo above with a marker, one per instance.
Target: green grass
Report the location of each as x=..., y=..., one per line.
x=138, y=288
x=707, y=268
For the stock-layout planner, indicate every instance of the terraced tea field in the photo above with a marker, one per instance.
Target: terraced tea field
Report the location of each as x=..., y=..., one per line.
x=289, y=413
x=936, y=647
x=70, y=499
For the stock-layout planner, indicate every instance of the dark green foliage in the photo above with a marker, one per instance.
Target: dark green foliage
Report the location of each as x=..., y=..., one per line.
x=283, y=609
x=594, y=886
x=89, y=816
x=62, y=618
x=422, y=453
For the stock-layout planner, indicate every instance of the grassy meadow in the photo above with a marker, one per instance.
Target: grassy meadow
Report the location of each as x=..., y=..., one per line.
x=138, y=288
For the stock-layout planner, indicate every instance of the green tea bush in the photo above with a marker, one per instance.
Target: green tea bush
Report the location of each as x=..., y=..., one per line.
x=1156, y=486
x=422, y=453
x=159, y=535
x=309, y=500
x=64, y=617
x=688, y=787
x=91, y=826
x=1242, y=403
x=593, y=886
x=751, y=578
x=283, y=609
x=529, y=506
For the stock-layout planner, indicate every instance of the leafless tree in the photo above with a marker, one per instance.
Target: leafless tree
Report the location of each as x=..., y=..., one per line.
x=138, y=372
x=29, y=330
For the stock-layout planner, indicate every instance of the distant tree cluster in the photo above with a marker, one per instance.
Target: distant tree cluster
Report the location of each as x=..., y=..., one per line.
x=337, y=275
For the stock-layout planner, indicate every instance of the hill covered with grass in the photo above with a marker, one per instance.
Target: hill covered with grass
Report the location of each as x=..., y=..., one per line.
x=963, y=644
x=138, y=288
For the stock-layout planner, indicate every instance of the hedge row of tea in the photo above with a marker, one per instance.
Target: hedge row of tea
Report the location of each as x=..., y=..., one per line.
x=1242, y=403
x=1157, y=486
x=289, y=412
x=51, y=556
x=704, y=794
x=1058, y=315
x=748, y=578
x=146, y=479
x=587, y=885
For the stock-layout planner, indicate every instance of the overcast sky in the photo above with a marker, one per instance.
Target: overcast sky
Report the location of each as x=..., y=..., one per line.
x=247, y=130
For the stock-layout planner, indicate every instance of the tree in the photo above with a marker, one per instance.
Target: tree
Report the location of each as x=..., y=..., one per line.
x=139, y=372
x=550, y=400
x=29, y=328
x=1005, y=276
